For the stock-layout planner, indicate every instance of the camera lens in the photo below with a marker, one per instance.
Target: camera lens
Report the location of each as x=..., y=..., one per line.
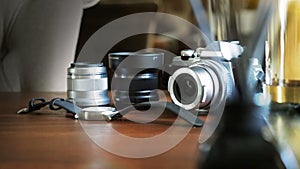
x=136, y=77
x=185, y=88
x=191, y=87
x=87, y=84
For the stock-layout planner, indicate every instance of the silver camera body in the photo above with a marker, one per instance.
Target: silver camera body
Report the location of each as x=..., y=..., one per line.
x=204, y=75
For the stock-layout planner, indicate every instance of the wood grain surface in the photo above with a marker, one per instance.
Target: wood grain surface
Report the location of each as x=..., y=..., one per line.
x=49, y=139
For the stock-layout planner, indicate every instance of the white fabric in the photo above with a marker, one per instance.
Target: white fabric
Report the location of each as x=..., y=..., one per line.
x=89, y=3
x=38, y=40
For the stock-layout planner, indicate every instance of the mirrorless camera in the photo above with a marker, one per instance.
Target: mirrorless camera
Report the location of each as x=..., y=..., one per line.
x=204, y=74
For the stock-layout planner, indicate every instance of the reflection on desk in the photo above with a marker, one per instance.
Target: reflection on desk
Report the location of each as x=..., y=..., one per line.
x=285, y=124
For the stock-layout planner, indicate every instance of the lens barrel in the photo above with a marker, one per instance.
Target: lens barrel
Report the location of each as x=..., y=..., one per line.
x=87, y=84
x=196, y=86
x=136, y=77
x=191, y=87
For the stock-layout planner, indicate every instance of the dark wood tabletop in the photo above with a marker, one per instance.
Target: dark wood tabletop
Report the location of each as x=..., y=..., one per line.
x=50, y=139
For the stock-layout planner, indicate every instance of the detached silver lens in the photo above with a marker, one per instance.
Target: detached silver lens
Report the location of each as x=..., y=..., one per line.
x=87, y=84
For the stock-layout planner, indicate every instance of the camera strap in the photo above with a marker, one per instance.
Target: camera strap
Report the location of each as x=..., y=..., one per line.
x=105, y=113
x=186, y=115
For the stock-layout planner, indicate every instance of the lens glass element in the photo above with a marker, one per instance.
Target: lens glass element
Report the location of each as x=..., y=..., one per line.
x=185, y=89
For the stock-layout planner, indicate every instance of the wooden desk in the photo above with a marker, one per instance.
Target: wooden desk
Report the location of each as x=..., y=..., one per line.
x=48, y=139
